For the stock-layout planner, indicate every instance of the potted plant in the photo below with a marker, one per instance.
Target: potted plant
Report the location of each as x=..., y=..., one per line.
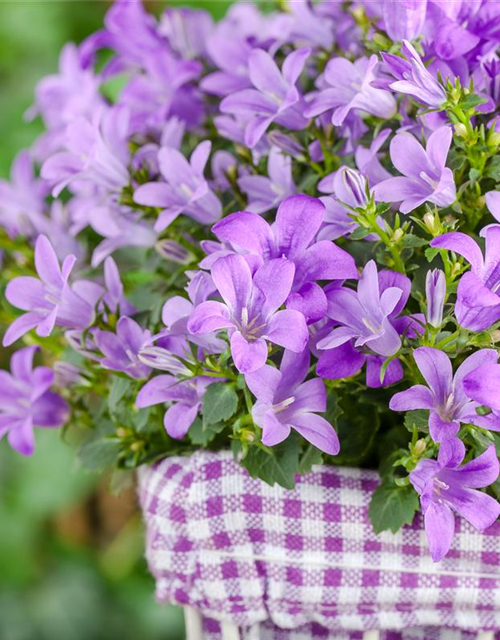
x=257, y=259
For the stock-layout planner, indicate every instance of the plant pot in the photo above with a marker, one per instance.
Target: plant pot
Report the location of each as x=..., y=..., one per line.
x=254, y=559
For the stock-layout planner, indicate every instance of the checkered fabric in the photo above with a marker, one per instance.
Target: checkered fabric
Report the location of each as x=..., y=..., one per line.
x=305, y=564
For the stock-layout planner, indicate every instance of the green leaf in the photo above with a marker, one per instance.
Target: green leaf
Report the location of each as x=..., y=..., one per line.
x=219, y=403
x=471, y=101
x=117, y=391
x=418, y=418
x=410, y=240
x=431, y=253
x=359, y=233
x=96, y=454
x=202, y=434
x=311, y=456
x=391, y=507
x=278, y=467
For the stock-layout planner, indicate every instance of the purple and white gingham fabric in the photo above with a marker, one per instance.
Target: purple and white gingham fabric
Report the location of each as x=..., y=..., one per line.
x=305, y=564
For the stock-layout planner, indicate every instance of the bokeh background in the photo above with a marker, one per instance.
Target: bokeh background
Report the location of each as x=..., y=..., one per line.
x=71, y=554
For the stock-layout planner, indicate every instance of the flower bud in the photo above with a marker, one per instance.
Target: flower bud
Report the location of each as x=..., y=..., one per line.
x=419, y=447
x=173, y=251
x=435, y=290
x=350, y=187
x=431, y=223
x=398, y=234
x=159, y=358
x=460, y=130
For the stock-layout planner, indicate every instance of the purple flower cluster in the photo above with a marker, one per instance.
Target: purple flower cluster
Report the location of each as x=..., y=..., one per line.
x=272, y=218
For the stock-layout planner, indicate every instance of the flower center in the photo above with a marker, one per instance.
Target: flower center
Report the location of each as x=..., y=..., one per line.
x=281, y=406
x=372, y=327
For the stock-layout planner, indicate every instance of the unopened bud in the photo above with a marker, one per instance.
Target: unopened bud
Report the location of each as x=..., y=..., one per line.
x=171, y=250
x=247, y=436
x=435, y=290
x=122, y=433
x=430, y=222
x=419, y=447
x=136, y=446
x=397, y=235
x=460, y=130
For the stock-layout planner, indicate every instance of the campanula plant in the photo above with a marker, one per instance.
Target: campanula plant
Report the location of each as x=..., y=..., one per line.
x=278, y=235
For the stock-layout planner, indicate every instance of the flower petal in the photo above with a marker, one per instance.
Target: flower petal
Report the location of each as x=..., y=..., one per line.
x=248, y=356
x=317, y=431
x=416, y=397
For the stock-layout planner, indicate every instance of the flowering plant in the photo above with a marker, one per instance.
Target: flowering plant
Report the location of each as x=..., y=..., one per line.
x=276, y=234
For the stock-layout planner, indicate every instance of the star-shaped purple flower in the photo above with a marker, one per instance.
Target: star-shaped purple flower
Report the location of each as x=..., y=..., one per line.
x=426, y=178
x=183, y=188
x=446, y=488
x=286, y=402
x=48, y=299
x=26, y=401
x=250, y=310
x=275, y=97
x=445, y=397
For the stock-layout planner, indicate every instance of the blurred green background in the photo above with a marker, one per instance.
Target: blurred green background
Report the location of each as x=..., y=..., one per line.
x=71, y=555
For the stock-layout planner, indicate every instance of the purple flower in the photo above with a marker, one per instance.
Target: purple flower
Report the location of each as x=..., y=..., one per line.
x=285, y=402
x=348, y=86
x=186, y=398
x=292, y=236
x=478, y=302
x=412, y=77
x=250, y=310
x=275, y=97
x=264, y=192
x=22, y=199
x=121, y=349
x=435, y=291
x=493, y=203
x=404, y=19
x=48, y=299
x=446, y=487
x=96, y=151
x=366, y=328
x=426, y=176
x=27, y=402
x=184, y=189
x=445, y=397
x=365, y=315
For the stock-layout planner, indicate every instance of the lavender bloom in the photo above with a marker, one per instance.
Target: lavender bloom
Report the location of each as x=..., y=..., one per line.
x=369, y=318
x=286, y=402
x=96, y=151
x=404, y=19
x=364, y=315
x=250, y=310
x=348, y=86
x=186, y=398
x=185, y=189
x=435, y=290
x=22, y=199
x=264, y=192
x=426, y=176
x=275, y=97
x=412, y=78
x=292, y=236
x=493, y=203
x=478, y=302
x=49, y=299
x=445, y=396
x=446, y=487
x=483, y=385
x=27, y=402
x=121, y=350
